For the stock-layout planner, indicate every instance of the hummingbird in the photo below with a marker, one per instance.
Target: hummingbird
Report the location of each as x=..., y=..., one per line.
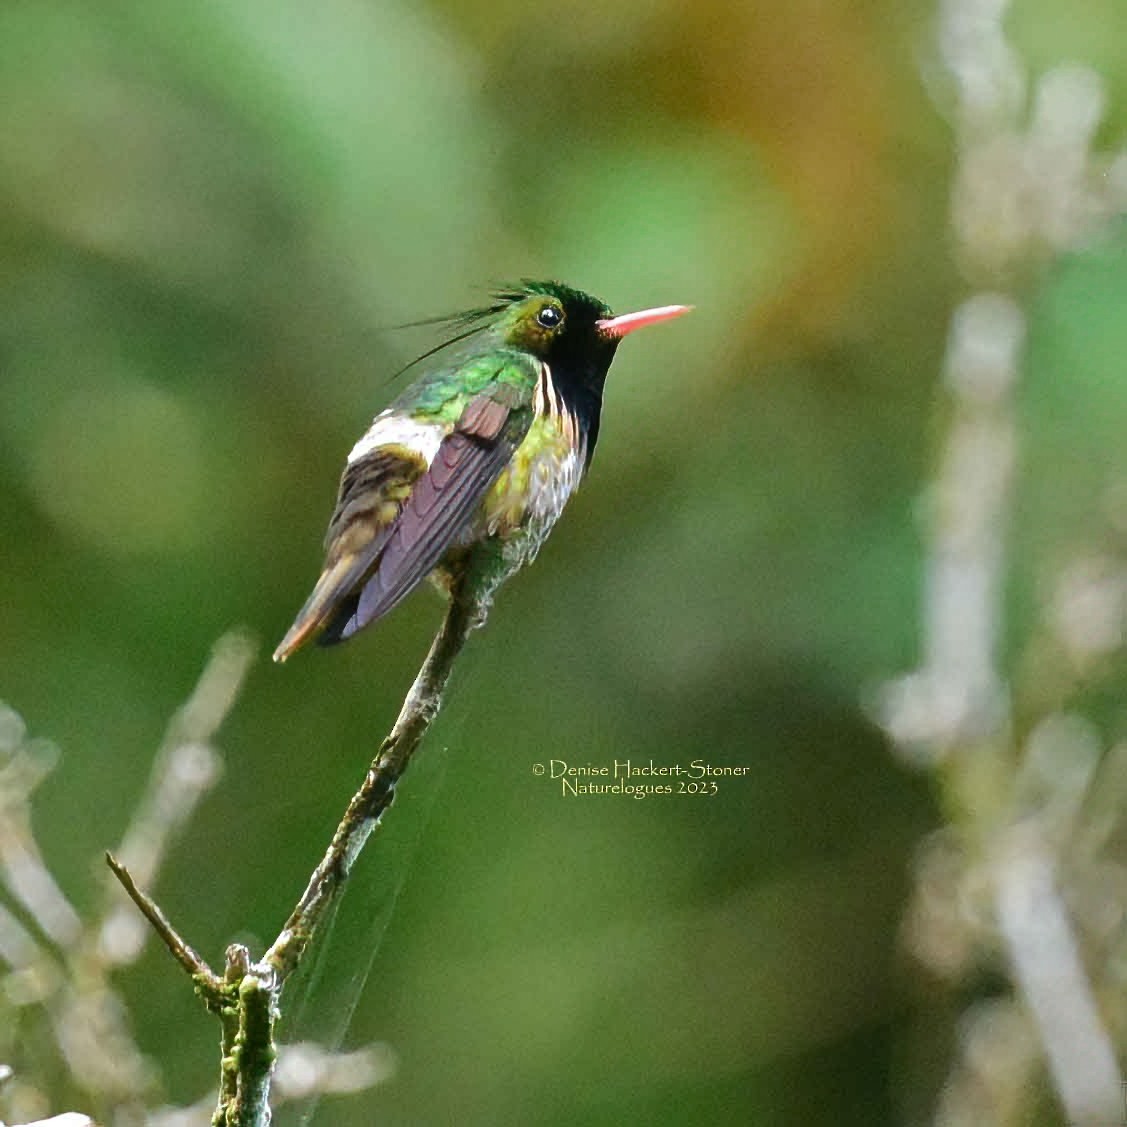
x=463, y=476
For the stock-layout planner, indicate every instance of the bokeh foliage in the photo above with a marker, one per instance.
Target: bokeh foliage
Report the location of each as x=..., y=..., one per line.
x=213, y=216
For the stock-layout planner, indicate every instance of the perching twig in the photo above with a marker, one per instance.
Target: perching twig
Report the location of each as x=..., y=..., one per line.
x=247, y=997
x=378, y=789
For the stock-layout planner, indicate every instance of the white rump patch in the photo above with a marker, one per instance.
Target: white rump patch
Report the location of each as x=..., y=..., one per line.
x=389, y=429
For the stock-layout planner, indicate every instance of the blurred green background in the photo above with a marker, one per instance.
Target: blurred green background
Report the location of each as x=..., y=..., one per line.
x=213, y=215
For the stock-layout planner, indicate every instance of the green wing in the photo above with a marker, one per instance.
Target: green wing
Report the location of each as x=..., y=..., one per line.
x=442, y=395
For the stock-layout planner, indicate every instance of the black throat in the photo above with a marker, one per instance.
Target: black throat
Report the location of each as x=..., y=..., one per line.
x=579, y=382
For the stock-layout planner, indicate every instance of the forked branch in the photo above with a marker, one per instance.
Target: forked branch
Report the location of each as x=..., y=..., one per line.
x=247, y=997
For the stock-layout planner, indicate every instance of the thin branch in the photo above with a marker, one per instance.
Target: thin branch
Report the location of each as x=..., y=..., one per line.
x=238, y=966
x=246, y=998
x=1042, y=946
x=22, y=868
x=210, y=983
x=249, y=1059
x=378, y=789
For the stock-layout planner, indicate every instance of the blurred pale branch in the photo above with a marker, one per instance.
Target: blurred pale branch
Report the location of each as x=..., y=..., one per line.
x=1007, y=874
x=58, y=967
x=186, y=767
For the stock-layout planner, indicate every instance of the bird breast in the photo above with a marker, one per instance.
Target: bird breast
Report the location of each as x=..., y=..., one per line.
x=532, y=490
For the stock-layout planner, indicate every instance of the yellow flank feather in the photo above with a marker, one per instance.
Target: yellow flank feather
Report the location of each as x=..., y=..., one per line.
x=533, y=488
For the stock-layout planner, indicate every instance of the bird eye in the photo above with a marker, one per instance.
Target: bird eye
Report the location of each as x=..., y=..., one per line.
x=549, y=317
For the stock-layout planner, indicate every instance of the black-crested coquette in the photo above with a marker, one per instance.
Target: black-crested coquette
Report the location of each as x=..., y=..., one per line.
x=465, y=474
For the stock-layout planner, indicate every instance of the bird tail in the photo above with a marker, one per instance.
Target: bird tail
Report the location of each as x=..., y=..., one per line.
x=331, y=593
